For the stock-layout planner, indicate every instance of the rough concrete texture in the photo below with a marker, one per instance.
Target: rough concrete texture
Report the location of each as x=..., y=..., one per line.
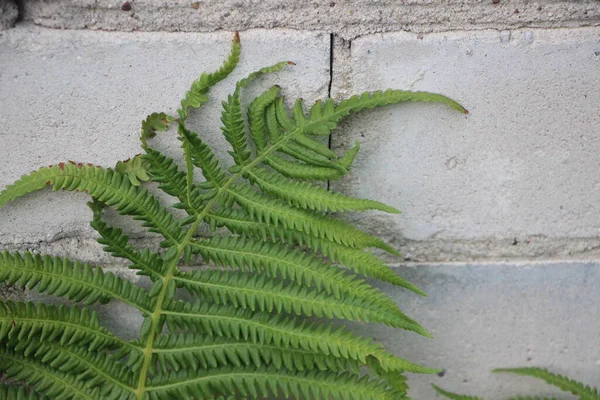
x=81, y=95
x=348, y=18
x=9, y=12
x=486, y=316
x=519, y=174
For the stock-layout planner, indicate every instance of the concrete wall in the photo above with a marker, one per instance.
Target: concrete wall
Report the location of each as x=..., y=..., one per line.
x=501, y=222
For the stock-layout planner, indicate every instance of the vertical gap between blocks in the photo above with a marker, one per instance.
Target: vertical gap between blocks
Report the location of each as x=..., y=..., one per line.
x=331, y=46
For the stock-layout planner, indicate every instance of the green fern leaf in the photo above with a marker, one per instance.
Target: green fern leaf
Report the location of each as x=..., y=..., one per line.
x=45, y=379
x=196, y=96
x=271, y=211
x=105, y=185
x=253, y=256
x=562, y=382
x=362, y=262
x=223, y=321
x=97, y=369
x=309, y=196
x=154, y=122
x=180, y=351
x=264, y=294
x=164, y=171
x=454, y=396
x=62, y=324
x=233, y=123
x=73, y=280
x=203, y=157
x=268, y=381
x=19, y=393
x=134, y=169
x=117, y=243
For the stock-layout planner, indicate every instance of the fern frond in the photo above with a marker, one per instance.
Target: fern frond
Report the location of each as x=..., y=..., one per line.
x=310, y=196
x=562, y=382
x=107, y=186
x=303, y=171
x=164, y=171
x=256, y=121
x=117, y=244
x=179, y=351
x=62, y=277
x=271, y=211
x=96, y=369
x=19, y=393
x=196, y=96
x=45, y=379
x=233, y=122
x=301, y=154
x=135, y=170
x=154, y=122
x=66, y=325
x=454, y=396
x=203, y=157
x=360, y=261
x=223, y=321
x=276, y=260
x=268, y=381
x=262, y=293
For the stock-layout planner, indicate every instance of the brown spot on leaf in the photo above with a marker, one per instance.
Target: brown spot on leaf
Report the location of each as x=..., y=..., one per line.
x=72, y=162
x=48, y=182
x=61, y=166
x=291, y=63
x=236, y=37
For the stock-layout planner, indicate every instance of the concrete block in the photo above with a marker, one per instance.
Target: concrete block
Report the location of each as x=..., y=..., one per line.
x=521, y=168
x=9, y=12
x=486, y=316
x=81, y=95
x=349, y=18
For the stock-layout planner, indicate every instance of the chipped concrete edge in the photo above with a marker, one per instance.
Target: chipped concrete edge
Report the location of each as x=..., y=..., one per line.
x=347, y=19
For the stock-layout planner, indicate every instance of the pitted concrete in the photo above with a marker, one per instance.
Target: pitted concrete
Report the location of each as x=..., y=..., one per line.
x=494, y=315
x=520, y=168
x=9, y=12
x=348, y=18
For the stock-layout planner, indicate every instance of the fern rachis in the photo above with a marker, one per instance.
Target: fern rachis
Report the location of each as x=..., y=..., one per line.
x=248, y=329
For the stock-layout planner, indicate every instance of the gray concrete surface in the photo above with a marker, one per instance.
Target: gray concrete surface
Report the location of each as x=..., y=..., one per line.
x=486, y=316
x=348, y=18
x=516, y=175
x=8, y=14
x=75, y=95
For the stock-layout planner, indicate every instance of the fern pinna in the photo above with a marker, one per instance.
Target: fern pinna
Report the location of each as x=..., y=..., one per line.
x=581, y=390
x=255, y=324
